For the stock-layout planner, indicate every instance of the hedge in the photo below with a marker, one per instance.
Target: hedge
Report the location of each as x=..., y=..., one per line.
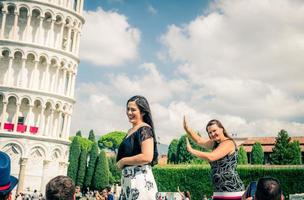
x=197, y=178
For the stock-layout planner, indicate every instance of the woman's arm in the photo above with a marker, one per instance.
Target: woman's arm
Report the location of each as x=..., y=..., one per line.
x=206, y=143
x=222, y=150
x=145, y=157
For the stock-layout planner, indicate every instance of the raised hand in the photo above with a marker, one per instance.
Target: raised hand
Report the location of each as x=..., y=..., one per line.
x=189, y=148
x=185, y=123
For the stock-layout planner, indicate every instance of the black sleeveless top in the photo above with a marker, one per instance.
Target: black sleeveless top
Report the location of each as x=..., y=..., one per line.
x=224, y=175
x=131, y=145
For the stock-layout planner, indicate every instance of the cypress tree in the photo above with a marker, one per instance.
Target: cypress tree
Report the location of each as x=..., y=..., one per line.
x=257, y=154
x=75, y=150
x=91, y=166
x=82, y=167
x=101, y=175
x=91, y=136
x=242, y=156
x=172, y=152
x=183, y=156
x=115, y=173
x=78, y=133
x=295, y=153
x=280, y=154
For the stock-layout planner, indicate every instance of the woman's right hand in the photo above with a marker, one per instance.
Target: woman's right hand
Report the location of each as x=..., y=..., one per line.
x=185, y=123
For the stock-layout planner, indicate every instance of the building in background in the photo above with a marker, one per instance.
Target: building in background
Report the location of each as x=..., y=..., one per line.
x=267, y=145
x=39, y=44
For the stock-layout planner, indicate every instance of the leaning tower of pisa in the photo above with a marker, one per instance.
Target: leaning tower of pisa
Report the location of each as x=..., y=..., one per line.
x=39, y=43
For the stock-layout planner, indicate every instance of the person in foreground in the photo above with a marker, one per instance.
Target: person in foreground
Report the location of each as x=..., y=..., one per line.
x=59, y=188
x=267, y=188
x=7, y=182
x=138, y=152
x=223, y=159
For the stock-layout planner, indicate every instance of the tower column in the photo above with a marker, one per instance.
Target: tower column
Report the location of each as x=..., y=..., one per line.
x=63, y=133
x=55, y=127
x=46, y=75
x=7, y=80
x=41, y=121
x=68, y=126
x=60, y=124
x=60, y=46
x=4, y=12
x=21, y=177
x=29, y=118
x=68, y=93
x=20, y=78
x=73, y=84
x=16, y=117
x=28, y=26
x=3, y=115
x=44, y=174
x=55, y=86
x=34, y=72
x=15, y=25
x=50, y=124
x=50, y=35
x=39, y=35
x=68, y=47
x=64, y=82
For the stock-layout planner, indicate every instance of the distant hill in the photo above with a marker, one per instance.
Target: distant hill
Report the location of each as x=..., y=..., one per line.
x=163, y=149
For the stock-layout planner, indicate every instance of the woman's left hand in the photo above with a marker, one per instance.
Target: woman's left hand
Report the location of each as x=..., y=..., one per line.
x=189, y=148
x=120, y=164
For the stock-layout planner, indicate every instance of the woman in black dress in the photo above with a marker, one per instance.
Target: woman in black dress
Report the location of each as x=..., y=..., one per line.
x=138, y=153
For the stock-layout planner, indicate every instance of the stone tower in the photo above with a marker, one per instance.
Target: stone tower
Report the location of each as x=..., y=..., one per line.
x=39, y=43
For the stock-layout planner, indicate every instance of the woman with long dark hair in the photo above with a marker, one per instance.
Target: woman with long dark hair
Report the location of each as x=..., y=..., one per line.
x=138, y=153
x=223, y=159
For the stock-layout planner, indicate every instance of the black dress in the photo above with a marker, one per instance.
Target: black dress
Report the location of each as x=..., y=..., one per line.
x=137, y=181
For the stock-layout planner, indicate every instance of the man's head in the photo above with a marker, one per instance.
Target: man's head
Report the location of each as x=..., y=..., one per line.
x=268, y=189
x=60, y=188
x=7, y=182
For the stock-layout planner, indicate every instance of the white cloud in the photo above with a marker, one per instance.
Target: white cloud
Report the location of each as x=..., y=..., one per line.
x=152, y=10
x=101, y=105
x=241, y=63
x=259, y=40
x=108, y=39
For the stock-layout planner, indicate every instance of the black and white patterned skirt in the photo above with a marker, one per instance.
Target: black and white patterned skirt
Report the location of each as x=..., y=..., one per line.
x=137, y=182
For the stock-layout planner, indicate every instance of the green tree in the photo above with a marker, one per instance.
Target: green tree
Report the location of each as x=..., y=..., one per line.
x=242, y=156
x=183, y=156
x=257, y=154
x=111, y=140
x=295, y=153
x=73, y=158
x=101, y=175
x=115, y=173
x=280, y=154
x=82, y=167
x=172, y=152
x=91, y=136
x=78, y=133
x=91, y=166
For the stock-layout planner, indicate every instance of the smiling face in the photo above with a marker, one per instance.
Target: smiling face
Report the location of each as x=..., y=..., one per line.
x=133, y=113
x=215, y=133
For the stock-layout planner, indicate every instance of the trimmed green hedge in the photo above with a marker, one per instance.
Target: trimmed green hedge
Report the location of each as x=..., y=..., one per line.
x=197, y=178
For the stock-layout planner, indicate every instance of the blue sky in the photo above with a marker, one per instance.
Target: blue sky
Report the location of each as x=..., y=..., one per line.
x=239, y=61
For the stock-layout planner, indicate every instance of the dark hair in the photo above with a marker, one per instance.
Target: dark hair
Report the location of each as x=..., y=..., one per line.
x=144, y=109
x=187, y=194
x=268, y=188
x=108, y=188
x=219, y=124
x=5, y=197
x=60, y=188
